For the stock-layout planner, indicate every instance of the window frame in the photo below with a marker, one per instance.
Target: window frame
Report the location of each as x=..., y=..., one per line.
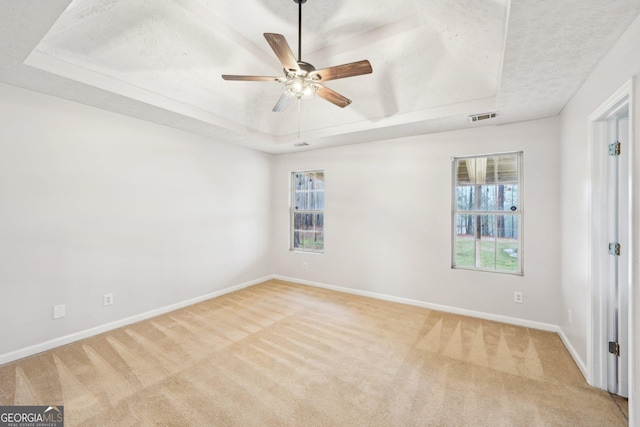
x=293, y=210
x=519, y=214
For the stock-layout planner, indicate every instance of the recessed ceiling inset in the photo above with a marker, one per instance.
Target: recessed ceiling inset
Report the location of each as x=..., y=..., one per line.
x=433, y=60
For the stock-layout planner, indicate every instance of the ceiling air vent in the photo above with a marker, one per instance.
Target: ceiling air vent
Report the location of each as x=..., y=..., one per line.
x=483, y=116
x=301, y=144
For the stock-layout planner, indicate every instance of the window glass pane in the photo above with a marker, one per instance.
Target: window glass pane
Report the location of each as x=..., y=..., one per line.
x=490, y=173
x=303, y=221
x=506, y=197
x=465, y=225
x=297, y=221
x=507, y=226
x=507, y=168
x=487, y=197
x=480, y=170
x=462, y=174
x=511, y=229
x=488, y=253
x=308, y=222
x=317, y=180
x=317, y=244
x=299, y=200
x=465, y=249
x=487, y=226
x=308, y=240
x=297, y=239
x=319, y=221
x=320, y=200
x=465, y=252
x=507, y=255
x=509, y=195
x=465, y=197
x=304, y=240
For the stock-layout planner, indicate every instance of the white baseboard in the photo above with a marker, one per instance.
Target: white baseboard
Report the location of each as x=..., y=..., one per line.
x=67, y=339
x=574, y=354
x=448, y=309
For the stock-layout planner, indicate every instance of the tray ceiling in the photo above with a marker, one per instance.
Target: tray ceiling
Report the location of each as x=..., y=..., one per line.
x=435, y=62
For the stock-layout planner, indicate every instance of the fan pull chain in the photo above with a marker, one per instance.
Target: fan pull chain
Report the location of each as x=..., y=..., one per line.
x=298, y=118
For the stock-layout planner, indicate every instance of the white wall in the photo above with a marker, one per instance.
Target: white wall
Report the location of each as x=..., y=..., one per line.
x=620, y=64
x=94, y=202
x=388, y=219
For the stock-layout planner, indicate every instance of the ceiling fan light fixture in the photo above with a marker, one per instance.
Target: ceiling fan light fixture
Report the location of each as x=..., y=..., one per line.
x=300, y=87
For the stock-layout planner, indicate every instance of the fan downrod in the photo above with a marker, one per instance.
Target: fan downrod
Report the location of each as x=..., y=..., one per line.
x=300, y=3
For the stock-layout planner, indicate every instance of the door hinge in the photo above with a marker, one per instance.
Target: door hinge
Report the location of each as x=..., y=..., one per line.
x=614, y=348
x=614, y=249
x=614, y=149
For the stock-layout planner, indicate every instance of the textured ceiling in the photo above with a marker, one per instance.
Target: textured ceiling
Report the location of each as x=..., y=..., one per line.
x=434, y=61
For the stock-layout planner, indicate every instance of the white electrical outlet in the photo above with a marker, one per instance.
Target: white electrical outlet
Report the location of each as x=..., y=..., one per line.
x=108, y=299
x=59, y=311
x=305, y=265
x=570, y=316
x=518, y=297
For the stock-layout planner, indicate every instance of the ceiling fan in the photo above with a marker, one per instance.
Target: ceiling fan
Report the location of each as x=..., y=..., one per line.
x=302, y=80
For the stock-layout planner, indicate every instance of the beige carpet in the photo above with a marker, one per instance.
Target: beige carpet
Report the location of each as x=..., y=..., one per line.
x=279, y=354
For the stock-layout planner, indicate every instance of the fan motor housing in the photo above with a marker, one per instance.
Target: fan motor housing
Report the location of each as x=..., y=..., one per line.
x=305, y=66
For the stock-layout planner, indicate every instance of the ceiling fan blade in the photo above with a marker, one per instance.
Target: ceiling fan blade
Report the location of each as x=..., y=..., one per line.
x=332, y=96
x=282, y=104
x=282, y=50
x=341, y=71
x=252, y=78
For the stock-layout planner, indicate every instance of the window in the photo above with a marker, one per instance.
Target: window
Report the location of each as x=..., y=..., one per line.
x=487, y=213
x=307, y=211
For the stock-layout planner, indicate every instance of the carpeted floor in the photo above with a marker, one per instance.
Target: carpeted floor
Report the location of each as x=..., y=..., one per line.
x=280, y=354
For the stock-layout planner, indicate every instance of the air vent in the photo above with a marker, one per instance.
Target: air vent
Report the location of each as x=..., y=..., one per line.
x=483, y=116
x=301, y=144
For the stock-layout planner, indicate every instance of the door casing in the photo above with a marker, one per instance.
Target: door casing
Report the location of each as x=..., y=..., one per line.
x=600, y=261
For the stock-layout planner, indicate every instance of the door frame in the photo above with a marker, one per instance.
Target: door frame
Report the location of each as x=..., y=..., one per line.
x=599, y=263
